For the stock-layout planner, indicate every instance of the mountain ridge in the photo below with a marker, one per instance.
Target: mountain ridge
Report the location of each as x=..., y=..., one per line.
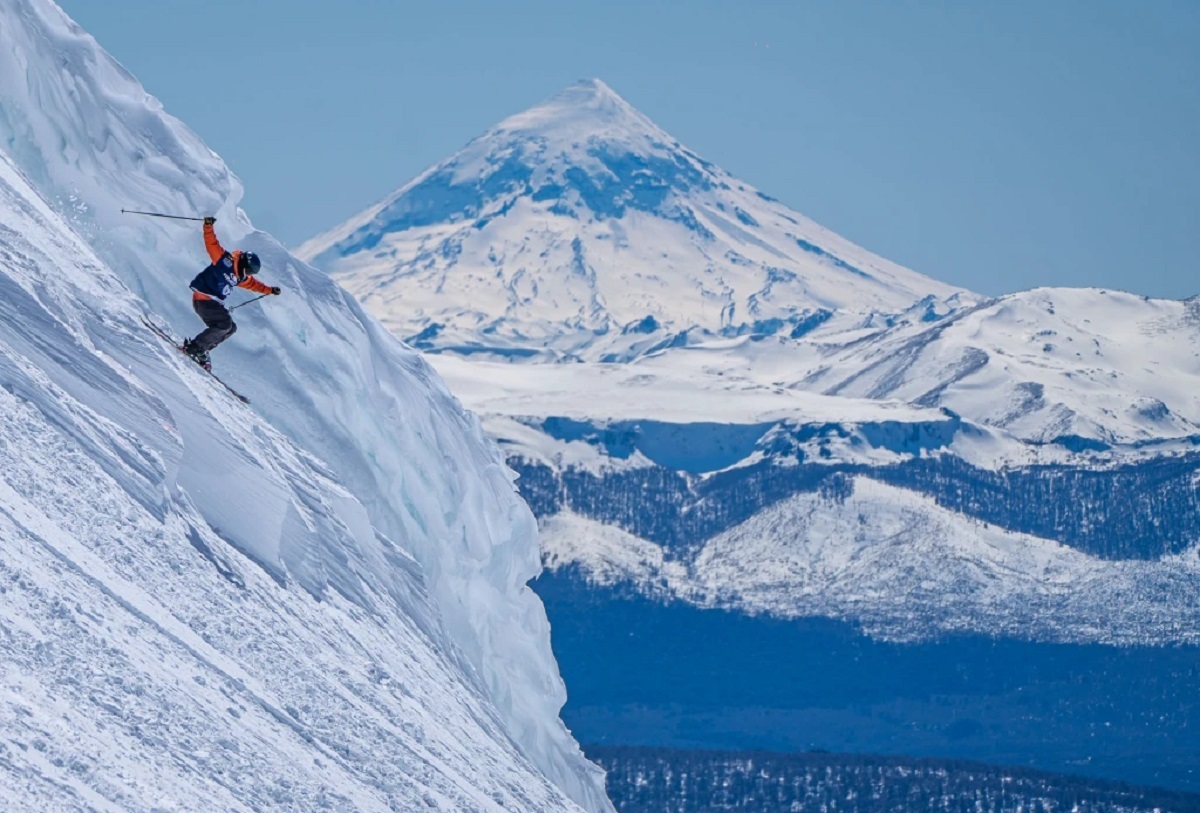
x=304, y=513
x=753, y=497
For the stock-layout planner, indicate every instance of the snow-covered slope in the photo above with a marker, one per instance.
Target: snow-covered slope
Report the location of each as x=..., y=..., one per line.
x=901, y=565
x=195, y=613
x=580, y=226
x=316, y=602
x=1108, y=366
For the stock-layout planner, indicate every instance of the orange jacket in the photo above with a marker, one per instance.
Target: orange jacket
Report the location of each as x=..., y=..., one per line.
x=216, y=252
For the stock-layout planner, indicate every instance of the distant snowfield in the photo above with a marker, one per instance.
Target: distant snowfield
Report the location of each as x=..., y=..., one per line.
x=731, y=383
x=886, y=556
x=579, y=231
x=649, y=390
x=317, y=602
x=1105, y=365
x=1117, y=368
x=634, y=323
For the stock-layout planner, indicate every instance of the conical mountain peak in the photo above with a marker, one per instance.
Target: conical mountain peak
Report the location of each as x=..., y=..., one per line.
x=586, y=110
x=590, y=94
x=565, y=224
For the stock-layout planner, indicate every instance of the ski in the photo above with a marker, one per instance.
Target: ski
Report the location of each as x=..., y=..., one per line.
x=169, y=339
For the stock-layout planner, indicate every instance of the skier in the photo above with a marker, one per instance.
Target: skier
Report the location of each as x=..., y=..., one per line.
x=212, y=285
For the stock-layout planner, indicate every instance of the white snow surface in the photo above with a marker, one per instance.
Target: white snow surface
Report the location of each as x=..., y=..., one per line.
x=650, y=391
x=514, y=401
x=901, y=565
x=579, y=230
x=1116, y=368
x=1109, y=366
x=567, y=223
x=317, y=602
x=1105, y=365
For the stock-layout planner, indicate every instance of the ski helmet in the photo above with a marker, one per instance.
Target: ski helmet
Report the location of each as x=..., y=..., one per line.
x=250, y=263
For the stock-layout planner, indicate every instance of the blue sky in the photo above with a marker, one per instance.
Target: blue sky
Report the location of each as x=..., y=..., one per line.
x=997, y=146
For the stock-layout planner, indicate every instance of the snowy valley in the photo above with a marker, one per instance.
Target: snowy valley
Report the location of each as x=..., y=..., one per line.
x=748, y=441
x=899, y=392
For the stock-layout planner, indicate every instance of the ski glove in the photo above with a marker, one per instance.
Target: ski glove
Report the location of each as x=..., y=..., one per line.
x=208, y=221
x=276, y=290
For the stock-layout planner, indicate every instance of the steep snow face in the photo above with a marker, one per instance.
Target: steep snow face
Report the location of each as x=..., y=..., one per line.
x=193, y=607
x=581, y=226
x=392, y=552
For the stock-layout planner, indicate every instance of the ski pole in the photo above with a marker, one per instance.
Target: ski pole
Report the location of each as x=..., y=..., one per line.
x=159, y=214
x=248, y=301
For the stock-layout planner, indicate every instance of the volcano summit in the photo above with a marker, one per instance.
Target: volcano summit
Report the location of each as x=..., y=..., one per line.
x=580, y=228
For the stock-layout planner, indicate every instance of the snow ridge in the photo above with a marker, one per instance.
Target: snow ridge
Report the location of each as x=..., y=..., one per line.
x=903, y=567
x=380, y=519
x=194, y=607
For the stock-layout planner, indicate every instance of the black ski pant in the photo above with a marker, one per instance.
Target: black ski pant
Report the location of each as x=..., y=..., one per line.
x=217, y=319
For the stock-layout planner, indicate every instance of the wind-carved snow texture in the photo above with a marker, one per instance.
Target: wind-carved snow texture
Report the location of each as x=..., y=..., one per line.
x=319, y=602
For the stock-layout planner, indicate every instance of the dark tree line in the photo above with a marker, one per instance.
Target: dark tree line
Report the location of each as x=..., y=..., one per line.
x=661, y=780
x=1136, y=511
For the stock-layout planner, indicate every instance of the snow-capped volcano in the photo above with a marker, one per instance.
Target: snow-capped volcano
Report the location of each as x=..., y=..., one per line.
x=578, y=229
x=799, y=430
x=581, y=226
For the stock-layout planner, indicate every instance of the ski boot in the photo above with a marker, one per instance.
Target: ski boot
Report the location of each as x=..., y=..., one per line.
x=197, y=355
